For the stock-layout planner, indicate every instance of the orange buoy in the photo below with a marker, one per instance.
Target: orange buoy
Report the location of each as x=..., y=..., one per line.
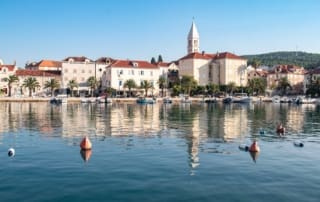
x=280, y=129
x=254, y=147
x=85, y=143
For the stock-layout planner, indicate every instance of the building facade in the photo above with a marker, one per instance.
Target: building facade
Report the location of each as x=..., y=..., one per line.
x=294, y=74
x=6, y=70
x=220, y=68
x=119, y=71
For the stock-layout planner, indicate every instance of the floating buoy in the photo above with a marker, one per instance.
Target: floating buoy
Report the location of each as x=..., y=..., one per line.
x=243, y=147
x=254, y=147
x=85, y=143
x=11, y=152
x=298, y=144
x=281, y=129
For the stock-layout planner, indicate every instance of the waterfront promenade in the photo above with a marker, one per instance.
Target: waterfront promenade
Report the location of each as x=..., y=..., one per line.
x=78, y=99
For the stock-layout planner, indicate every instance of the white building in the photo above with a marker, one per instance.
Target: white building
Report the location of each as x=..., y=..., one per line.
x=119, y=71
x=6, y=70
x=220, y=68
x=79, y=69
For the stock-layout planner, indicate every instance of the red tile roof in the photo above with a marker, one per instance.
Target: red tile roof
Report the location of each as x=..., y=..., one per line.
x=163, y=64
x=26, y=72
x=105, y=60
x=49, y=63
x=285, y=69
x=10, y=67
x=206, y=56
x=131, y=63
x=77, y=59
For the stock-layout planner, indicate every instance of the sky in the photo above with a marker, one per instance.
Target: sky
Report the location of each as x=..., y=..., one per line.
x=32, y=30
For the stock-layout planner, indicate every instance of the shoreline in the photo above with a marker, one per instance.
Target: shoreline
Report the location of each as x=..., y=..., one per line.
x=115, y=100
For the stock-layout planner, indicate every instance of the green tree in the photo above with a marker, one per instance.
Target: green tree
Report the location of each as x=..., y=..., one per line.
x=73, y=84
x=160, y=58
x=212, y=89
x=153, y=60
x=31, y=83
x=130, y=84
x=283, y=85
x=92, y=82
x=162, y=84
x=52, y=84
x=257, y=86
x=188, y=83
x=255, y=63
x=11, y=79
x=231, y=87
x=146, y=85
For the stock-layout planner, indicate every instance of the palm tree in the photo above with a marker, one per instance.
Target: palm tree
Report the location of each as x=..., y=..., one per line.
x=255, y=63
x=30, y=83
x=162, y=83
x=11, y=79
x=52, y=84
x=146, y=85
x=212, y=88
x=130, y=84
x=92, y=81
x=188, y=83
x=283, y=85
x=257, y=85
x=73, y=84
x=231, y=87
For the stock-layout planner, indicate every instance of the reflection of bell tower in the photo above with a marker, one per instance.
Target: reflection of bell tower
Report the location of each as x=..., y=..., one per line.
x=193, y=39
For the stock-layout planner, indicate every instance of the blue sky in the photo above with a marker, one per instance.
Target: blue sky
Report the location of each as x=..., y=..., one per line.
x=31, y=30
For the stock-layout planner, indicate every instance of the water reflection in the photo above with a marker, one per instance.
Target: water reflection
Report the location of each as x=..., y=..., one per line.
x=85, y=154
x=254, y=155
x=193, y=123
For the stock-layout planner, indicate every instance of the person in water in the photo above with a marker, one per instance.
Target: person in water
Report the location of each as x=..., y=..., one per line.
x=280, y=129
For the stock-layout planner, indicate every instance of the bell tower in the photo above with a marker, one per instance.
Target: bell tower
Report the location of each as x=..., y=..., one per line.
x=193, y=39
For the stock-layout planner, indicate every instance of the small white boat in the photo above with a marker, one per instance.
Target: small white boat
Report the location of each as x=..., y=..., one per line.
x=304, y=100
x=104, y=99
x=276, y=99
x=241, y=98
x=167, y=100
x=185, y=99
x=285, y=99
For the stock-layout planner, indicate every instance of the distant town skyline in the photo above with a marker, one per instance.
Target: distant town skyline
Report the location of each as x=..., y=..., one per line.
x=32, y=30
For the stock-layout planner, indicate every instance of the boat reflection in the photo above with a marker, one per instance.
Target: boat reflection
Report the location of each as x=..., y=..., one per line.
x=85, y=154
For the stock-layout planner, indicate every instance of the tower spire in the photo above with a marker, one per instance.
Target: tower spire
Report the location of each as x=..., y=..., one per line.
x=193, y=39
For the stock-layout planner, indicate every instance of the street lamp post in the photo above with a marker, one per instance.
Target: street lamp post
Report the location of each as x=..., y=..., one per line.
x=180, y=78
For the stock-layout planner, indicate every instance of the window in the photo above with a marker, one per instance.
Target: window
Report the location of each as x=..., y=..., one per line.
x=151, y=73
x=82, y=79
x=65, y=70
x=82, y=71
x=120, y=83
x=74, y=71
x=132, y=72
x=90, y=71
x=141, y=72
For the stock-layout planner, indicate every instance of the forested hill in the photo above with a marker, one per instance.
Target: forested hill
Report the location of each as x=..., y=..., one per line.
x=306, y=60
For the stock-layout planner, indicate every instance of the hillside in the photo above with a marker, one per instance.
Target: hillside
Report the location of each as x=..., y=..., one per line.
x=306, y=60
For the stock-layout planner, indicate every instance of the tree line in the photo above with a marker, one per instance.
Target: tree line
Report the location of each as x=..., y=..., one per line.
x=303, y=59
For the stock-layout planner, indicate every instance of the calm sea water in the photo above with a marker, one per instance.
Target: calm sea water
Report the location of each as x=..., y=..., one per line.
x=158, y=152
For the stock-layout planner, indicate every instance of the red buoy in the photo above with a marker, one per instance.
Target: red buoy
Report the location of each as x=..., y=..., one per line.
x=85, y=143
x=254, y=147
